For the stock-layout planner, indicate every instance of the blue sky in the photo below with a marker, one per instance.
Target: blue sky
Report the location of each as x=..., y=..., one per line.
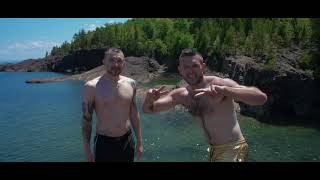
x=24, y=38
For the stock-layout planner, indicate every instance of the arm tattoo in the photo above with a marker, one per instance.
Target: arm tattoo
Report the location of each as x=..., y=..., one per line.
x=87, y=110
x=134, y=87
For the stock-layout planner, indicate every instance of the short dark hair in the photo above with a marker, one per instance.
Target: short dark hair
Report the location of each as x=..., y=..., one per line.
x=190, y=52
x=113, y=50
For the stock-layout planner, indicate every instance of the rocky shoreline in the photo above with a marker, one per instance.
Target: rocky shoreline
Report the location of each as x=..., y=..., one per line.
x=291, y=91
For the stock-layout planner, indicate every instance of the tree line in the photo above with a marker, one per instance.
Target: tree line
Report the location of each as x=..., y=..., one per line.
x=215, y=38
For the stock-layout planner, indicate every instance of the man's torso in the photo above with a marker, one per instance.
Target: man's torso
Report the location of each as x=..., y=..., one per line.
x=216, y=115
x=112, y=106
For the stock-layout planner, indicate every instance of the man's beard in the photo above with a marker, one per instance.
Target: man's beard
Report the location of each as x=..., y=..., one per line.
x=195, y=81
x=115, y=72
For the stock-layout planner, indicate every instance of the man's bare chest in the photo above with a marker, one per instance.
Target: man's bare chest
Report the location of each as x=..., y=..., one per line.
x=113, y=95
x=202, y=105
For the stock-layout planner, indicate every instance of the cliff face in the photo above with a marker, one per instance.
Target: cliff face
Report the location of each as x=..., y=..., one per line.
x=79, y=61
x=31, y=65
x=142, y=69
x=291, y=91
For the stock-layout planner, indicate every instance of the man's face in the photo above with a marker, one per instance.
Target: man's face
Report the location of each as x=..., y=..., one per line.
x=191, y=69
x=114, y=64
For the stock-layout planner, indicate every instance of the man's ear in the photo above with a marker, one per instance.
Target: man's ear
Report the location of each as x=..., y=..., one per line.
x=179, y=68
x=204, y=67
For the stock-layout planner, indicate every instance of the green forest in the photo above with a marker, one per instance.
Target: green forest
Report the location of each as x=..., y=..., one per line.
x=214, y=38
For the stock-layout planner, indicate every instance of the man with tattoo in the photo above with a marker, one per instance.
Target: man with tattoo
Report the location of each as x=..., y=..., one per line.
x=210, y=99
x=113, y=98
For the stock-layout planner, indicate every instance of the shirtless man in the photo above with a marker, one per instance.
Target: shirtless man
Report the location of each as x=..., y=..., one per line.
x=210, y=100
x=112, y=96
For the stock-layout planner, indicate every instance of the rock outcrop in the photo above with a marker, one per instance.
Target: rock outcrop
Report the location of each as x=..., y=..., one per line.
x=291, y=91
x=142, y=69
x=79, y=61
x=31, y=65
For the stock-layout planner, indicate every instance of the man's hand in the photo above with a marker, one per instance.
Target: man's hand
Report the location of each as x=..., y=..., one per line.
x=139, y=151
x=213, y=90
x=90, y=157
x=154, y=103
x=220, y=89
x=154, y=94
x=88, y=152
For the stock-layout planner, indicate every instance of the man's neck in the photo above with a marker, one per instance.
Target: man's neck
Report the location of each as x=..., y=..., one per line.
x=112, y=78
x=200, y=85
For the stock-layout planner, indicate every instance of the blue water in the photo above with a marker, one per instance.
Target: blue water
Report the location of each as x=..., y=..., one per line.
x=39, y=122
x=42, y=122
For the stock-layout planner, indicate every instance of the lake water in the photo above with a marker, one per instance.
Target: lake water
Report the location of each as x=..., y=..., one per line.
x=42, y=122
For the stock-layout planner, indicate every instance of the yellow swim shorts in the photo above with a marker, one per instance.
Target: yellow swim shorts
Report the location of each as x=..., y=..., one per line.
x=230, y=152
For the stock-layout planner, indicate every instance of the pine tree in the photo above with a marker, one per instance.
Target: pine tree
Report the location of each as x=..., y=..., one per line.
x=229, y=43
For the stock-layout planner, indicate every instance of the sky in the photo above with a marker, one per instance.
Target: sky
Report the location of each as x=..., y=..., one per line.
x=25, y=38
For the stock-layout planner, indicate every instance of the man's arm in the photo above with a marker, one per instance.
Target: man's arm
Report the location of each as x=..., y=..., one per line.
x=135, y=121
x=87, y=111
x=154, y=104
x=249, y=95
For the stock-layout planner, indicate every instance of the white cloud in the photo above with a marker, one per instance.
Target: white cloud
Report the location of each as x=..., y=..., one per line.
x=18, y=46
x=111, y=22
x=96, y=24
x=25, y=50
x=90, y=27
x=115, y=22
x=32, y=45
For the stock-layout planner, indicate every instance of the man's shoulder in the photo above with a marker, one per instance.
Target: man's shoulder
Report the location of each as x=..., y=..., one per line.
x=92, y=83
x=213, y=79
x=126, y=78
x=129, y=80
x=220, y=81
